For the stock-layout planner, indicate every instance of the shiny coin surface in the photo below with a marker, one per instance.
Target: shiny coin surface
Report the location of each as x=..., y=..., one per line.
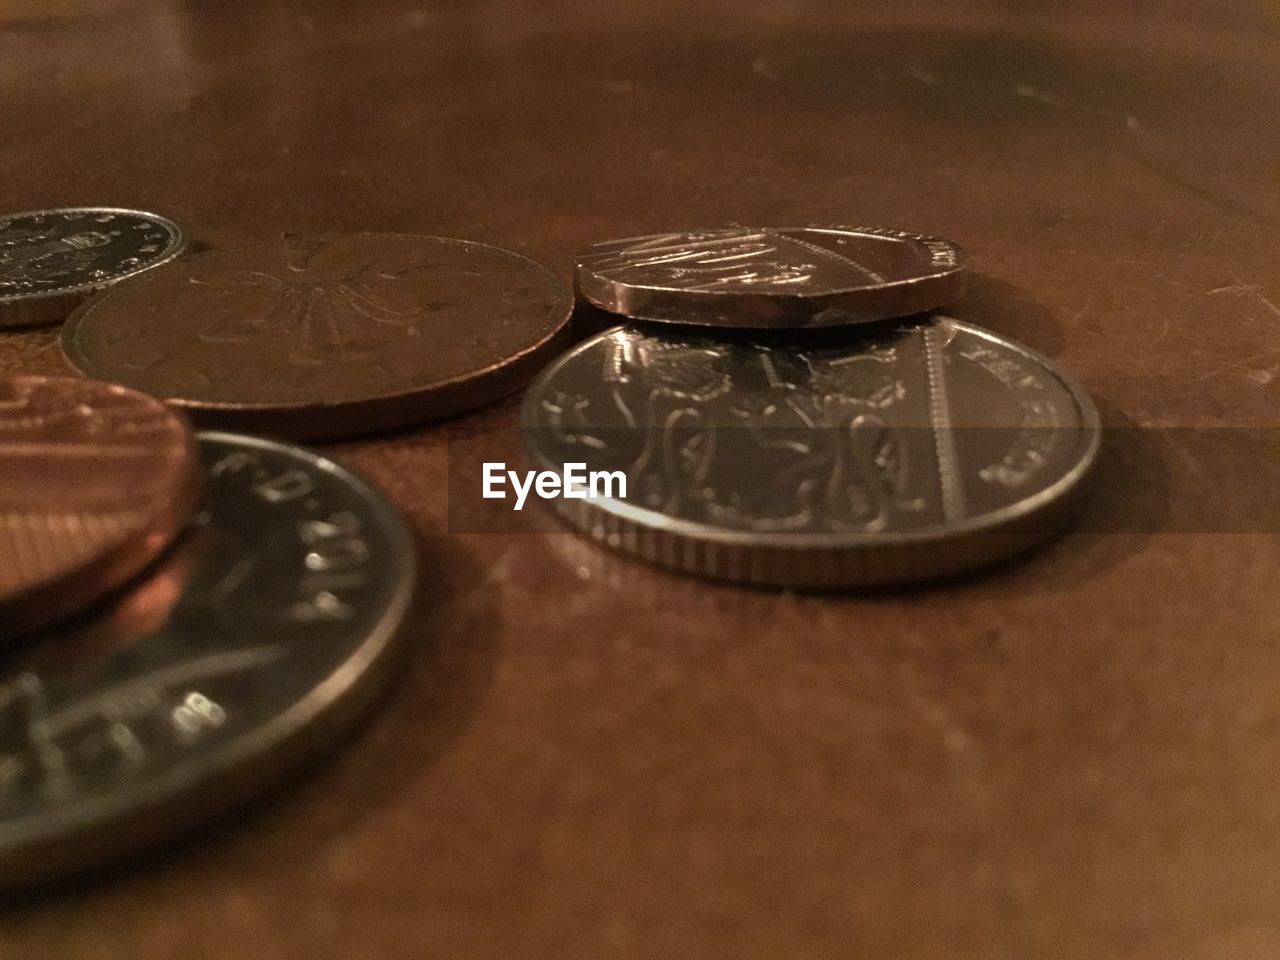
x=327, y=337
x=95, y=481
x=894, y=455
x=51, y=260
x=267, y=629
x=772, y=277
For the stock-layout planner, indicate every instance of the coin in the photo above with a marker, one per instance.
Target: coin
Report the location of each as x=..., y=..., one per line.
x=772, y=277
x=95, y=481
x=893, y=455
x=51, y=260
x=311, y=338
x=267, y=630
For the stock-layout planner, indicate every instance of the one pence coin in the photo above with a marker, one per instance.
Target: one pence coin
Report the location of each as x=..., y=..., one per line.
x=95, y=481
x=268, y=629
x=51, y=260
x=900, y=454
x=772, y=277
x=317, y=338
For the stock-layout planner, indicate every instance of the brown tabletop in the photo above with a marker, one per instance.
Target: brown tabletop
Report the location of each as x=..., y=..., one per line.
x=1072, y=756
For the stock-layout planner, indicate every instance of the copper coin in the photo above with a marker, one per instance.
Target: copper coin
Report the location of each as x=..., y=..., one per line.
x=95, y=481
x=772, y=277
x=316, y=338
x=51, y=260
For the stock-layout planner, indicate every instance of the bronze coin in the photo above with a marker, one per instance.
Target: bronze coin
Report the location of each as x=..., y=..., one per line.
x=95, y=481
x=319, y=338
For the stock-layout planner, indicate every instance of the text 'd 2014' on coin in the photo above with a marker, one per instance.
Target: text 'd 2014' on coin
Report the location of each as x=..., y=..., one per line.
x=269, y=628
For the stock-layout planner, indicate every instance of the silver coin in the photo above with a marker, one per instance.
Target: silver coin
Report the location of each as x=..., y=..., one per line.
x=772, y=277
x=267, y=629
x=51, y=260
x=894, y=455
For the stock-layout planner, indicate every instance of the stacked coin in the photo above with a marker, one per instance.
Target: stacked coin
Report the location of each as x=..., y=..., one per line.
x=810, y=423
x=189, y=616
x=260, y=636
x=174, y=653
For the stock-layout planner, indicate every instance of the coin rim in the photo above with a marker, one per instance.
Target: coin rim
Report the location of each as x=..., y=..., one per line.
x=177, y=244
x=80, y=826
x=249, y=414
x=1090, y=428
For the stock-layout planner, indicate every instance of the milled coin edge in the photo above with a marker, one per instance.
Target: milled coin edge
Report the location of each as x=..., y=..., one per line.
x=825, y=560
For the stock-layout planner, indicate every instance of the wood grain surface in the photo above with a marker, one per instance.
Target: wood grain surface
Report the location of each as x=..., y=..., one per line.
x=1071, y=757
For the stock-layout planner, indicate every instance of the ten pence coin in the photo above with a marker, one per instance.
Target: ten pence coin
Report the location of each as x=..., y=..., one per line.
x=316, y=338
x=894, y=455
x=265, y=632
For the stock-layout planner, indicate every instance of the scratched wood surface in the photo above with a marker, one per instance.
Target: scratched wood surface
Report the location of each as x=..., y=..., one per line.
x=1072, y=757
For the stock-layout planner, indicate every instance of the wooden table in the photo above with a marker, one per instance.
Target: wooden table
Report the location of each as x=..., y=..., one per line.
x=1071, y=757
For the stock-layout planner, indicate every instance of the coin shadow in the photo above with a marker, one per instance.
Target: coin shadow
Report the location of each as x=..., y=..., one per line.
x=1124, y=504
x=446, y=663
x=1012, y=311
x=1126, y=501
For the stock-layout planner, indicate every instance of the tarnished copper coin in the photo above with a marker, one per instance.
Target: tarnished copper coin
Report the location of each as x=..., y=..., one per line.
x=772, y=277
x=51, y=260
x=95, y=481
x=313, y=338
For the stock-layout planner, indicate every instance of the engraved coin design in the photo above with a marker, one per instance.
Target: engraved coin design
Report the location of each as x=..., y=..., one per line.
x=51, y=260
x=773, y=277
x=311, y=338
x=266, y=630
x=890, y=455
x=95, y=481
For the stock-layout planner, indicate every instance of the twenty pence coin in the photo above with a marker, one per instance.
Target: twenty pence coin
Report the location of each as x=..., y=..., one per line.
x=780, y=278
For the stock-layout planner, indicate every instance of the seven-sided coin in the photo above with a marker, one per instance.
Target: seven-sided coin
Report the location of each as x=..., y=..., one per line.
x=772, y=277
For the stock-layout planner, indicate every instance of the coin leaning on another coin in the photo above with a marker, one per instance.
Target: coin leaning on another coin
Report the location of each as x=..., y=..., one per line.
x=327, y=337
x=52, y=260
x=266, y=631
x=892, y=455
x=773, y=278
x=95, y=482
